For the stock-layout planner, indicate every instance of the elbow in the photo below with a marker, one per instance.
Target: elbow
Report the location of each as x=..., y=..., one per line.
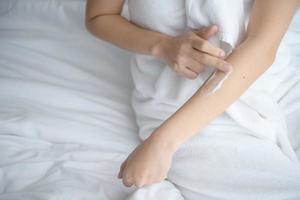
x=270, y=59
x=270, y=54
x=89, y=23
x=90, y=20
x=267, y=57
x=98, y=24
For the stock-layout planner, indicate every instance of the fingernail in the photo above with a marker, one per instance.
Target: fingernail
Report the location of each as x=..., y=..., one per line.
x=214, y=26
x=227, y=67
x=222, y=54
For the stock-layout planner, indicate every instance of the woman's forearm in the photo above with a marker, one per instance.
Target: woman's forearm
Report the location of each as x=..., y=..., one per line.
x=249, y=62
x=120, y=32
x=268, y=24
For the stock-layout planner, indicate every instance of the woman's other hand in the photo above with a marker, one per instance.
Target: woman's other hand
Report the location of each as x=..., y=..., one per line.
x=188, y=54
x=149, y=163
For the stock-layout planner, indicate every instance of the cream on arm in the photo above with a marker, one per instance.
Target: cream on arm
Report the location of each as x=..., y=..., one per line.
x=268, y=23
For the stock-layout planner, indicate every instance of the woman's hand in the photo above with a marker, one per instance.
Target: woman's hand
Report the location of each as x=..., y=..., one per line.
x=149, y=163
x=187, y=54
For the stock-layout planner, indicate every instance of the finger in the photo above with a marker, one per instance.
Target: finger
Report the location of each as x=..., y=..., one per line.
x=188, y=73
x=207, y=32
x=139, y=184
x=120, y=173
x=194, y=65
x=128, y=182
x=122, y=169
x=149, y=180
x=206, y=47
x=214, y=62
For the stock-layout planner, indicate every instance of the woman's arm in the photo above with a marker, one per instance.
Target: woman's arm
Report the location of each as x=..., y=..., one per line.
x=186, y=54
x=268, y=23
x=150, y=161
x=104, y=20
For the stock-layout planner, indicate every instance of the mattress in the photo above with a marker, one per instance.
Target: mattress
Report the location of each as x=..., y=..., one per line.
x=66, y=123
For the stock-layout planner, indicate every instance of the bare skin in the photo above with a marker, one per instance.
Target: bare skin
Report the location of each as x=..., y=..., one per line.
x=150, y=161
x=186, y=54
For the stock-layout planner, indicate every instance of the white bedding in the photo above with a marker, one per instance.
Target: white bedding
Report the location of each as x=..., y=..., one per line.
x=65, y=118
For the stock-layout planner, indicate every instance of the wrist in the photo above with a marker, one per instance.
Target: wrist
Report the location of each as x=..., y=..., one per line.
x=157, y=49
x=165, y=140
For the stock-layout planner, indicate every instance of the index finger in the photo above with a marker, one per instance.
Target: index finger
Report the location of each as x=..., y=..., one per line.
x=120, y=175
x=206, y=47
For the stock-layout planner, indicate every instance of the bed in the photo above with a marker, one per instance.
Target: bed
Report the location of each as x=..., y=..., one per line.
x=66, y=123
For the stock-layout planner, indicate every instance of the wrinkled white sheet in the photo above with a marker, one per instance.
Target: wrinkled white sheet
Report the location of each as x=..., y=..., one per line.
x=65, y=118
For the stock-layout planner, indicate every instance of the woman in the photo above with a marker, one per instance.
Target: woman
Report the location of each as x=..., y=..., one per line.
x=170, y=72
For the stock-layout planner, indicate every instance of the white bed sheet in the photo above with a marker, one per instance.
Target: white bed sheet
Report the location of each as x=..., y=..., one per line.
x=65, y=119
x=66, y=122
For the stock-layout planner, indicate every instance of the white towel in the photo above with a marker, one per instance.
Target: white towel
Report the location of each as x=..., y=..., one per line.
x=231, y=18
x=244, y=153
